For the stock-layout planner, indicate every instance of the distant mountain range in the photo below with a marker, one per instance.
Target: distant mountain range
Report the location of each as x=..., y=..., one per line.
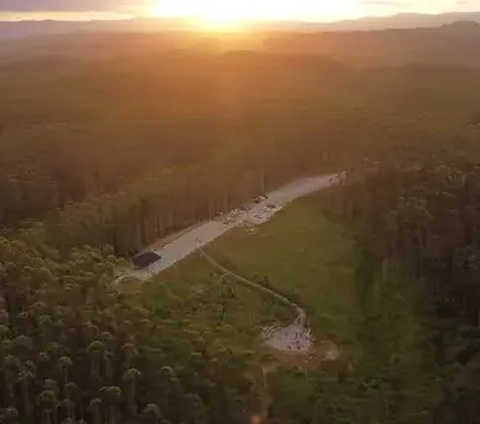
x=22, y=29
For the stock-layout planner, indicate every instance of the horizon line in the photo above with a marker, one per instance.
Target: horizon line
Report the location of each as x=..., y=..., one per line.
x=112, y=16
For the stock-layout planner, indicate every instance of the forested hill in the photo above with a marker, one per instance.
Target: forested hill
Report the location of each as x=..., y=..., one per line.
x=36, y=28
x=453, y=44
x=449, y=45
x=88, y=141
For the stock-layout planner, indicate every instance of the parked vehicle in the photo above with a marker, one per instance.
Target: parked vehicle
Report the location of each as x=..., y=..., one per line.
x=145, y=259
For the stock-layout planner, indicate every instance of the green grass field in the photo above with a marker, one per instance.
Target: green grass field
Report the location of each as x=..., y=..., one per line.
x=350, y=298
x=300, y=252
x=305, y=254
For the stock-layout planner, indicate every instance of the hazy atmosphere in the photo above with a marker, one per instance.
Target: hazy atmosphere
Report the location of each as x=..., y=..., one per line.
x=306, y=10
x=239, y=212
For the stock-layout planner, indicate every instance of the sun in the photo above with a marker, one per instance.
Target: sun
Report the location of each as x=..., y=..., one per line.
x=232, y=14
x=210, y=14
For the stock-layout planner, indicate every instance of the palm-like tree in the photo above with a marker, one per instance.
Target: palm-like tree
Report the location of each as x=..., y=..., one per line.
x=72, y=391
x=112, y=396
x=4, y=316
x=108, y=367
x=48, y=405
x=45, y=323
x=153, y=413
x=167, y=372
x=89, y=331
x=9, y=416
x=193, y=409
x=95, y=410
x=43, y=364
x=129, y=380
x=25, y=379
x=95, y=353
x=6, y=347
x=171, y=391
x=68, y=408
x=22, y=346
x=129, y=353
x=30, y=367
x=4, y=331
x=11, y=369
x=50, y=384
x=64, y=364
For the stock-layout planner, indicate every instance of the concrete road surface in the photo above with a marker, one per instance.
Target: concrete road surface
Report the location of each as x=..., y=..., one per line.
x=204, y=234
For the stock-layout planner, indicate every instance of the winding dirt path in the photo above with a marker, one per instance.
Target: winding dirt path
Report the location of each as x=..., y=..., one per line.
x=296, y=337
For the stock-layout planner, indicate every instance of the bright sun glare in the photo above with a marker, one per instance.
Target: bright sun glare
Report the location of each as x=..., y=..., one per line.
x=214, y=14
x=222, y=14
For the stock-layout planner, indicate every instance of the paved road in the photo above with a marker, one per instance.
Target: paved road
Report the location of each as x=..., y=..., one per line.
x=202, y=235
x=295, y=337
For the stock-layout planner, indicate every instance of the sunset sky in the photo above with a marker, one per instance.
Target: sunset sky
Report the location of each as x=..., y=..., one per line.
x=308, y=10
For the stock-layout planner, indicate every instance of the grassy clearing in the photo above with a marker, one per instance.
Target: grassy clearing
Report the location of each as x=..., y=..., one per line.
x=349, y=298
x=300, y=252
x=307, y=255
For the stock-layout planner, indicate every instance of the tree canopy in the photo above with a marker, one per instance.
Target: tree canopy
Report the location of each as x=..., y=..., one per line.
x=100, y=158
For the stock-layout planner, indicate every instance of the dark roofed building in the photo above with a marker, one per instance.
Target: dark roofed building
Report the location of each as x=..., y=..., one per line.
x=144, y=259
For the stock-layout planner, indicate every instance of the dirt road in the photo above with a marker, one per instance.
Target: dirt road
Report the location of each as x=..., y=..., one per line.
x=295, y=337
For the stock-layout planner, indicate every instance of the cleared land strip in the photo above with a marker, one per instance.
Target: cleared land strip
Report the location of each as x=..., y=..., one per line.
x=256, y=214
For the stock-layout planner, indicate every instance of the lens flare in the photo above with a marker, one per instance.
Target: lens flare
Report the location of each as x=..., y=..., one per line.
x=236, y=13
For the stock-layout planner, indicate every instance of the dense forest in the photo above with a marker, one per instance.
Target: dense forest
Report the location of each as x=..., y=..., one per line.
x=417, y=214
x=244, y=120
x=99, y=158
x=414, y=209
